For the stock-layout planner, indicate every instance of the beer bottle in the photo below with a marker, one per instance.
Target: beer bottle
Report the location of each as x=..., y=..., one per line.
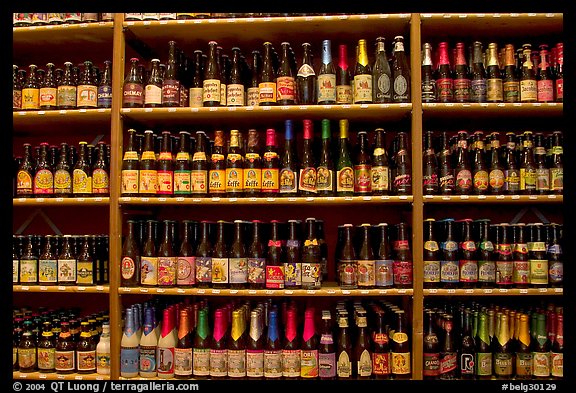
x=186, y=265
x=362, y=348
x=153, y=90
x=512, y=172
x=483, y=368
x=234, y=165
x=496, y=174
x=557, y=350
x=237, y=346
x=478, y=82
x=347, y=263
x=235, y=87
x=195, y=93
x=523, y=355
x=494, y=91
x=273, y=348
x=541, y=350
x=256, y=258
x=362, y=167
x=27, y=351
x=43, y=174
x=537, y=257
x=311, y=267
x=343, y=87
x=431, y=349
x=267, y=87
x=199, y=167
x=148, y=173
x=217, y=171
x=542, y=170
x=25, y=174
x=31, y=90
x=480, y=174
x=274, y=275
x=521, y=268
x=559, y=73
x=167, y=259
x=545, y=83
x=29, y=263
x=130, y=167
x=255, y=346
x=383, y=265
x=308, y=172
x=326, y=349
x=504, y=261
x=149, y=258
x=253, y=166
x=380, y=170
x=432, y=255
x=218, y=348
x=212, y=78
x=528, y=83
x=557, y=167
x=400, y=348
x=66, y=263
x=285, y=82
x=220, y=258
x=555, y=256
x=403, y=269
x=362, y=76
x=47, y=349
x=201, y=346
x=448, y=354
x=427, y=74
x=462, y=171
x=238, y=260
x=130, y=265
x=48, y=89
x=511, y=85
x=345, y=173
x=270, y=166
x=430, y=166
x=65, y=351
x=293, y=264
x=326, y=83
x=182, y=170
x=325, y=172
x=365, y=260
x=446, y=171
x=85, y=263
x=203, y=258
x=291, y=347
x=224, y=66
x=104, y=98
x=16, y=89
x=133, y=88
x=100, y=172
x=449, y=265
x=468, y=256
x=403, y=167
x=381, y=75
x=467, y=348
x=306, y=80
x=253, y=91
x=47, y=262
x=528, y=169
x=87, y=89
x=148, y=346
x=461, y=78
x=309, y=367
x=289, y=164
x=444, y=80
x=85, y=351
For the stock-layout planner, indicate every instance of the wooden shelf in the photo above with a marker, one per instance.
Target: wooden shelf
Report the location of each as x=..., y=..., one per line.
x=93, y=201
x=362, y=200
x=55, y=376
x=494, y=292
x=493, y=199
x=71, y=120
x=165, y=117
x=492, y=110
x=329, y=289
x=61, y=288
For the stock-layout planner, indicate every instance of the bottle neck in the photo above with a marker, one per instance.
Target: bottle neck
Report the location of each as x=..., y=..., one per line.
x=343, y=57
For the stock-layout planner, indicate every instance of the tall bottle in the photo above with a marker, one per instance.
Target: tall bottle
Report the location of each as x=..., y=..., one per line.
x=289, y=164
x=528, y=174
x=199, y=166
x=129, y=347
x=285, y=81
x=87, y=90
x=201, y=346
x=25, y=174
x=345, y=173
x=446, y=171
x=343, y=86
x=167, y=258
x=512, y=171
x=380, y=170
x=149, y=258
x=557, y=349
x=103, y=351
x=291, y=347
x=403, y=167
x=503, y=351
x=325, y=184
x=504, y=260
x=130, y=262
x=100, y=172
x=293, y=264
x=537, y=257
x=557, y=166
x=480, y=175
x=267, y=83
x=309, y=367
x=237, y=346
x=326, y=82
x=347, y=263
x=496, y=178
x=235, y=92
x=273, y=348
x=430, y=182
x=326, y=349
x=362, y=348
x=362, y=76
x=365, y=259
x=255, y=346
x=362, y=166
x=478, y=88
x=466, y=353
x=449, y=265
x=432, y=255
x=43, y=174
x=400, y=348
x=238, y=261
x=252, y=172
x=196, y=91
x=48, y=89
x=182, y=170
x=559, y=73
x=256, y=260
x=431, y=348
x=217, y=170
x=306, y=79
x=311, y=267
x=219, y=347
x=253, y=91
x=555, y=257
x=27, y=351
x=403, y=265
x=82, y=174
x=448, y=353
x=148, y=172
x=234, y=167
x=153, y=90
x=212, y=75
x=444, y=80
x=545, y=82
x=220, y=257
x=148, y=346
x=463, y=185
x=308, y=172
x=381, y=75
x=31, y=90
x=133, y=88
x=16, y=89
x=528, y=83
x=29, y=263
x=461, y=76
x=511, y=85
x=67, y=272
x=542, y=170
x=521, y=267
x=429, y=90
x=130, y=167
x=274, y=259
x=494, y=91
x=203, y=257
x=165, y=166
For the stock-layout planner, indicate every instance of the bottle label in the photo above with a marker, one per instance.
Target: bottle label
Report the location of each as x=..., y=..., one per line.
x=380, y=177
x=86, y=361
x=24, y=183
x=557, y=364
x=81, y=182
x=478, y=90
x=343, y=94
x=218, y=362
x=468, y=271
x=486, y=271
x=384, y=272
x=183, y=361
x=87, y=95
x=428, y=89
x=100, y=181
x=541, y=364
x=538, y=272
x=401, y=89
x=129, y=181
x=521, y=273
x=431, y=364
x=344, y=366
x=363, y=88
x=238, y=270
x=305, y=70
x=104, y=96
x=402, y=272
x=48, y=96
x=527, y=179
x=235, y=95
x=560, y=89
x=545, y=90
x=195, y=97
x=512, y=182
x=182, y=182
x=366, y=273
x=402, y=182
x=309, y=363
x=324, y=181
x=211, y=90
x=85, y=272
x=364, y=364
x=236, y=363
x=253, y=96
x=504, y=272
x=326, y=88
x=483, y=363
x=65, y=360
x=272, y=364
x=383, y=85
x=291, y=363
x=347, y=272
x=447, y=362
x=362, y=179
x=252, y=178
x=307, y=179
x=199, y=179
x=523, y=364
x=201, y=361
x=147, y=362
x=66, y=270
x=203, y=269
x=27, y=357
x=511, y=91
x=432, y=271
x=345, y=177
x=167, y=268
x=462, y=90
x=464, y=179
x=285, y=88
x=148, y=270
x=17, y=99
x=43, y=182
x=467, y=364
x=153, y=95
x=67, y=96
x=495, y=179
x=503, y=364
x=28, y=271
x=46, y=359
x=133, y=94
x=292, y=275
x=16, y=273
x=542, y=179
x=449, y=271
x=223, y=95
x=400, y=363
x=445, y=88
x=556, y=272
x=254, y=363
x=481, y=180
x=270, y=182
x=430, y=182
x=186, y=271
x=447, y=182
x=31, y=99
x=256, y=270
x=528, y=90
x=381, y=364
x=234, y=180
x=217, y=181
x=148, y=181
x=494, y=90
x=267, y=92
x=275, y=277
x=311, y=274
x=220, y=274
x=288, y=181
x=556, y=179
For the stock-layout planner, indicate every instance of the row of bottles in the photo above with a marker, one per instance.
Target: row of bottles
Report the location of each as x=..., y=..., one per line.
x=137, y=16
x=477, y=253
x=481, y=340
x=219, y=79
x=84, y=86
x=23, y=19
x=530, y=163
x=51, y=171
x=238, y=167
x=60, y=259
x=265, y=340
x=60, y=341
x=494, y=74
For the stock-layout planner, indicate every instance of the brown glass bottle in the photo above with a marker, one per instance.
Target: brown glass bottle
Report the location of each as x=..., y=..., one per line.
x=463, y=174
x=449, y=265
x=480, y=174
x=493, y=78
x=448, y=353
x=291, y=347
x=43, y=185
x=431, y=348
x=557, y=164
x=365, y=258
x=468, y=256
x=203, y=256
x=400, y=348
x=512, y=171
x=461, y=76
x=478, y=82
x=252, y=172
x=528, y=167
x=133, y=88
x=220, y=257
x=380, y=170
x=511, y=85
x=306, y=79
x=343, y=86
x=238, y=258
x=486, y=263
x=445, y=167
x=130, y=261
x=285, y=81
x=430, y=184
x=521, y=269
x=212, y=78
x=65, y=350
x=199, y=166
x=293, y=264
x=504, y=260
x=466, y=353
x=362, y=166
x=444, y=80
x=256, y=258
x=48, y=89
x=31, y=90
x=27, y=356
x=432, y=255
x=274, y=275
x=148, y=173
x=16, y=89
x=311, y=267
x=270, y=166
x=326, y=349
x=130, y=167
x=85, y=351
x=403, y=267
x=234, y=167
x=403, y=167
x=267, y=87
x=217, y=167
x=101, y=172
x=25, y=174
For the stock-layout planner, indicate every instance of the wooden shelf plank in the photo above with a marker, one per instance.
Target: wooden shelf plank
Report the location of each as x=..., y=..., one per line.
x=494, y=292
x=267, y=201
x=92, y=201
x=490, y=199
x=61, y=288
x=55, y=376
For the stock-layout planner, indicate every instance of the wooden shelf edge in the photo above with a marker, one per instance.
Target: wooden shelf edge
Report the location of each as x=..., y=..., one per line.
x=500, y=16
x=300, y=201
x=495, y=292
x=90, y=201
x=67, y=113
x=61, y=288
x=326, y=291
x=65, y=27
x=553, y=198
x=55, y=376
